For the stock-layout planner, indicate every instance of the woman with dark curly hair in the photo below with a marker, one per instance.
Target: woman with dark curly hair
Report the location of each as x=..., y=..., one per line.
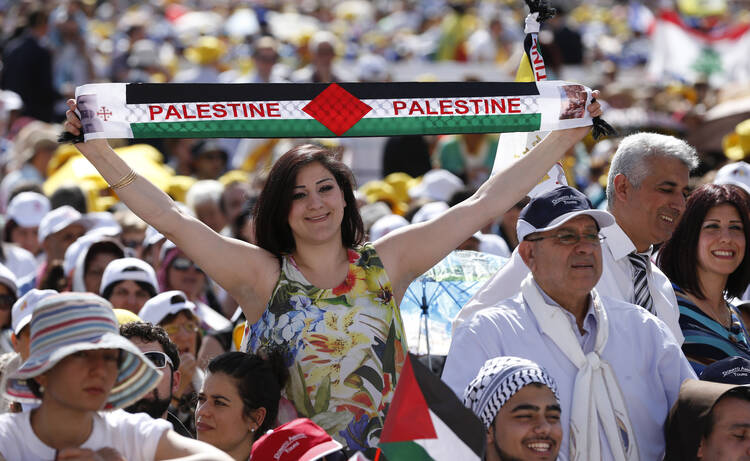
x=707, y=260
x=239, y=401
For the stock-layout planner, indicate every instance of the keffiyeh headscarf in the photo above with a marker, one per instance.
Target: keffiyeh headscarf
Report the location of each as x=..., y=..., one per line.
x=498, y=380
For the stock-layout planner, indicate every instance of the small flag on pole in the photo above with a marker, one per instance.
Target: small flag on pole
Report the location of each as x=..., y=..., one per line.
x=512, y=146
x=427, y=422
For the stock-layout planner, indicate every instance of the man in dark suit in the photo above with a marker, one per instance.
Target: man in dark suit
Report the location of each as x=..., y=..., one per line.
x=27, y=69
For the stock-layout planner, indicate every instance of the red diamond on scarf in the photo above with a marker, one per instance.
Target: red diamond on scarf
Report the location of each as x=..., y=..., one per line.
x=337, y=109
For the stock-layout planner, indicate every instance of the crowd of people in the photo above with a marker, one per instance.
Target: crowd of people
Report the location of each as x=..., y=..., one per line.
x=239, y=299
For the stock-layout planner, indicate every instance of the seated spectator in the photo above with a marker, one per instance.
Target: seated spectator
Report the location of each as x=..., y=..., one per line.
x=210, y=159
x=313, y=444
x=178, y=272
x=133, y=231
x=21, y=314
x=25, y=212
x=80, y=365
x=204, y=199
x=86, y=259
x=176, y=314
x=33, y=148
x=128, y=283
x=517, y=401
x=8, y=295
x=585, y=341
x=709, y=422
x=468, y=156
x=239, y=401
x=58, y=229
x=708, y=261
x=71, y=195
x=156, y=346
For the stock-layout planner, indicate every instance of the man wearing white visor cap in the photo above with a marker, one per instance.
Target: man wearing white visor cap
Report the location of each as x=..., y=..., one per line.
x=618, y=368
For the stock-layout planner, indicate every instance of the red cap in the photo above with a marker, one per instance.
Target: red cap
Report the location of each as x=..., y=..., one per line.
x=298, y=440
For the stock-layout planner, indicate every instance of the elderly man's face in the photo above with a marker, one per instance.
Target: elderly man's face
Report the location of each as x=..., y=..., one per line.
x=527, y=427
x=565, y=272
x=730, y=438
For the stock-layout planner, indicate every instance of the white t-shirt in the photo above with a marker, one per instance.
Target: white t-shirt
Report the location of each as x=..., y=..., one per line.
x=134, y=436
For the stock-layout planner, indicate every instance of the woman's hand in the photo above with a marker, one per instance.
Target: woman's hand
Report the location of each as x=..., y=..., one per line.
x=74, y=126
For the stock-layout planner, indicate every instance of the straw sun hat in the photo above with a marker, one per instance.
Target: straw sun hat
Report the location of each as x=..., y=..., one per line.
x=72, y=322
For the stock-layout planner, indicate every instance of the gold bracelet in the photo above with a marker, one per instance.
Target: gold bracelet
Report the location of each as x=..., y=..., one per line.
x=125, y=181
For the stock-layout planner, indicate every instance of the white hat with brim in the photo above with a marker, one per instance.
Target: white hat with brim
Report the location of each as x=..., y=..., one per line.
x=164, y=304
x=60, y=218
x=438, y=185
x=72, y=322
x=28, y=208
x=133, y=269
x=737, y=173
x=25, y=306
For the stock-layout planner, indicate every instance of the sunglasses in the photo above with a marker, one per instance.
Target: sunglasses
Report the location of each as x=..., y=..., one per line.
x=183, y=264
x=159, y=359
x=6, y=302
x=173, y=329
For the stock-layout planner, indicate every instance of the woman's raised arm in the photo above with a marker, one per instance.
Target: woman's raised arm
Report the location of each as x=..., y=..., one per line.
x=410, y=251
x=246, y=271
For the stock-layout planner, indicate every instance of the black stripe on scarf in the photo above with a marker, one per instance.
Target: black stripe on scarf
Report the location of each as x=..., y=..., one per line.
x=167, y=93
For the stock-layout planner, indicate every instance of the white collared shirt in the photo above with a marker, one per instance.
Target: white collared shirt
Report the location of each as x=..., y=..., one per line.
x=646, y=360
x=615, y=282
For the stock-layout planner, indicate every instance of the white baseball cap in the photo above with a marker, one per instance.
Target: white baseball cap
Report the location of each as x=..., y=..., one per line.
x=104, y=223
x=386, y=224
x=28, y=208
x=737, y=173
x=24, y=307
x=428, y=211
x=133, y=269
x=437, y=185
x=58, y=219
x=164, y=304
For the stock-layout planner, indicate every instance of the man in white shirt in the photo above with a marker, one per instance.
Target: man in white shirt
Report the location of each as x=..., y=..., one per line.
x=618, y=368
x=646, y=190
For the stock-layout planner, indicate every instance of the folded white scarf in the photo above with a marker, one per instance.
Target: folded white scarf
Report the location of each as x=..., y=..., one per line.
x=597, y=397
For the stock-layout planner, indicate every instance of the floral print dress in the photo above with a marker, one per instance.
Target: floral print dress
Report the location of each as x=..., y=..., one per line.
x=346, y=344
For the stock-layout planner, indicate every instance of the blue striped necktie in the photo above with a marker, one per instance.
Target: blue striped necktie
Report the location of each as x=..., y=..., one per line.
x=641, y=295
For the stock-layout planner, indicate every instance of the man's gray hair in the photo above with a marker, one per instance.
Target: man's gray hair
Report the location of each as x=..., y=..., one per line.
x=633, y=151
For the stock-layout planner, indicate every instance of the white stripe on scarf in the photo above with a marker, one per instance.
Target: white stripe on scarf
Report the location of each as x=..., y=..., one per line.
x=597, y=397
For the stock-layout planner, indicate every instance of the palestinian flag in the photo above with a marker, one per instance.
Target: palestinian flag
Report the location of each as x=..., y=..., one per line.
x=426, y=421
x=512, y=146
x=312, y=110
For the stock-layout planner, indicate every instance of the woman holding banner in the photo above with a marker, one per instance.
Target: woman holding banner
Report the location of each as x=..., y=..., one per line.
x=312, y=285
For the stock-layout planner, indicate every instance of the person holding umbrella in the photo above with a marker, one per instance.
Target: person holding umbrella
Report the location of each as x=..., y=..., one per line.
x=311, y=284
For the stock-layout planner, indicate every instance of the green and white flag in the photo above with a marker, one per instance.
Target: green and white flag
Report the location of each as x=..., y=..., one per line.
x=280, y=110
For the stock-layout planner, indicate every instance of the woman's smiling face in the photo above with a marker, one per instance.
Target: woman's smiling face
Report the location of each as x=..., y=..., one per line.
x=317, y=207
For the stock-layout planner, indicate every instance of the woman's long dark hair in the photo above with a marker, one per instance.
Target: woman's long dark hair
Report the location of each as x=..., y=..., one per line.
x=271, y=212
x=259, y=381
x=678, y=258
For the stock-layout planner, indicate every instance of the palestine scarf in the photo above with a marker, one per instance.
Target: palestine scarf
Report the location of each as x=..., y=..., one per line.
x=311, y=110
